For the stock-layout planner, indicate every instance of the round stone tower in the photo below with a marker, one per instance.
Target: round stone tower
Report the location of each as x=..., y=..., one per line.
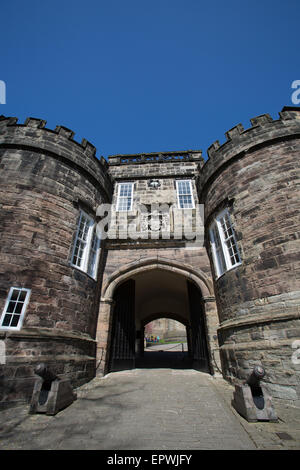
x=250, y=188
x=50, y=188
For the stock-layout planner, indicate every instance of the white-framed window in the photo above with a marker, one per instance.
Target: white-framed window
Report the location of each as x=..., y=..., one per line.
x=15, y=307
x=224, y=247
x=185, y=194
x=87, y=246
x=125, y=197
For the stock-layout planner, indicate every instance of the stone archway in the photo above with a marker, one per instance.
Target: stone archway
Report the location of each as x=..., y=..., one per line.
x=130, y=269
x=166, y=343
x=164, y=268
x=163, y=323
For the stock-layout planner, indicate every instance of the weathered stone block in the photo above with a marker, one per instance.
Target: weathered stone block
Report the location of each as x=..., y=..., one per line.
x=51, y=401
x=253, y=407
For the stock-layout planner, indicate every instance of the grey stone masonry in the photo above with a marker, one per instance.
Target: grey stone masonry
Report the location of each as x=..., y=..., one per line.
x=251, y=311
x=164, y=168
x=255, y=174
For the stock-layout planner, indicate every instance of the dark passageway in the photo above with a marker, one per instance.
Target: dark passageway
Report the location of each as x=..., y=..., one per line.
x=164, y=360
x=153, y=295
x=165, y=356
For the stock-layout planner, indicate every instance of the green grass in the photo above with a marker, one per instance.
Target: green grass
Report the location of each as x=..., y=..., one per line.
x=165, y=341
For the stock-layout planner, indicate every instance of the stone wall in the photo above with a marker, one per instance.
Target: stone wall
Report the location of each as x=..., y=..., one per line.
x=124, y=253
x=124, y=263
x=165, y=169
x=166, y=329
x=256, y=175
x=45, y=179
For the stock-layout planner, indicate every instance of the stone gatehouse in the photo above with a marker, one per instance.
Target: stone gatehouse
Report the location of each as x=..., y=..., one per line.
x=213, y=244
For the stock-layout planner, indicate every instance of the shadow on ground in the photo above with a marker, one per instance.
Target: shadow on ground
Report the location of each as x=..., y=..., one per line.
x=164, y=359
x=89, y=423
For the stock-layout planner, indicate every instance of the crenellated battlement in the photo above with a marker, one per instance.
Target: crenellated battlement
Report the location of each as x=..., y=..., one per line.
x=260, y=125
x=62, y=131
x=263, y=130
x=219, y=251
x=35, y=136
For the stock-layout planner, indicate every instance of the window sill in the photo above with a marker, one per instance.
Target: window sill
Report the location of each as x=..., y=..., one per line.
x=7, y=328
x=225, y=272
x=82, y=271
x=186, y=208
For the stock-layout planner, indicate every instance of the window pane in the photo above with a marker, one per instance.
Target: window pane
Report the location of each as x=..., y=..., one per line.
x=14, y=308
x=83, y=228
x=184, y=192
x=78, y=253
x=92, y=267
x=15, y=320
x=11, y=307
x=86, y=246
x=76, y=259
x=22, y=295
x=125, y=190
x=124, y=201
x=6, y=320
x=229, y=242
x=185, y=202
x=15, y=294
x=82, y=240
x=19, y=307
x=184, y=187
x=219, y=260
x=124, y=204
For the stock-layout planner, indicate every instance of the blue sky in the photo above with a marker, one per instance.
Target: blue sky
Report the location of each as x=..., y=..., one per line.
x=144, y=76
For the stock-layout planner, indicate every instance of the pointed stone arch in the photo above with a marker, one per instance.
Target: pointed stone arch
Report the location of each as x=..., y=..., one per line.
x=126, y=272
x=145, y=264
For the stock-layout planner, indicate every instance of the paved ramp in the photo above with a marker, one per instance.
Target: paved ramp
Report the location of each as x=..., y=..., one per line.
x=157, y=409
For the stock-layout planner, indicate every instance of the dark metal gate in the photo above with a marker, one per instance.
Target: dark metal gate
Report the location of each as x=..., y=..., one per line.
x=198, y=328
x=122, y=351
